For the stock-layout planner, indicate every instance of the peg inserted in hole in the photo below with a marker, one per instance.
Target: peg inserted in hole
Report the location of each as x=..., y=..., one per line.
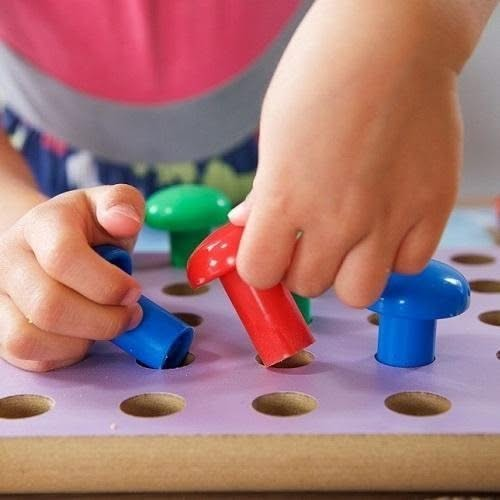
x=161, y=340
x=271, y=317
x=408, y=310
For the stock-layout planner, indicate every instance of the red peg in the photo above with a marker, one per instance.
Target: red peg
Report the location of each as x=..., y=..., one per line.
x=271, y=317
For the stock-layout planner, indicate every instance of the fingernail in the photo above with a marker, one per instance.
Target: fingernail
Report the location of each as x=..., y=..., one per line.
x=237, y=212
x=125, y=210
x=136, y=318
x=131, y=297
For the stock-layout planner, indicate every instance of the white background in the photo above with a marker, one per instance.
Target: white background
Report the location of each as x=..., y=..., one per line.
x=480, y=97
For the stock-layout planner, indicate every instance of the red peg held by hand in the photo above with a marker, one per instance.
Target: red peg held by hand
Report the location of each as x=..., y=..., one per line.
x=271, y=317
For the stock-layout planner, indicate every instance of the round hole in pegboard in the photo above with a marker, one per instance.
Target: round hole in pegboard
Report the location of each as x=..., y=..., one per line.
x=490, y=318
x=184, y=289
x=285, y=404
x=25, y=405
x=190, y=357
x=190, y=319
x=418, y=404
x=498, y=354
x=302, y=358
x=373, y=319
x=473, y=259
x=154, y=404
x=485, y=286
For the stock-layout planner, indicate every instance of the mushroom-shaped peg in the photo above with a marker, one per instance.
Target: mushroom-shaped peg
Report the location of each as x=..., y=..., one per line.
x=189, y=212
x=408, y=310
x=304, y=305
x=271, y=317
x=161, y=340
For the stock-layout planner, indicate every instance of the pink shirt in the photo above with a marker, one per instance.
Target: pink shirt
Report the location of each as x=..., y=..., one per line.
x=143, y=51
x=143, y=80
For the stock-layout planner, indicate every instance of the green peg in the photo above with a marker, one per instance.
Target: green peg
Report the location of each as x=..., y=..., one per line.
x=304, y=305
x=189, y=212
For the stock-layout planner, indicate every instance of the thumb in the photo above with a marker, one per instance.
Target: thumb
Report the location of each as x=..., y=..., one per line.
x=119, y=209
x=240, y=213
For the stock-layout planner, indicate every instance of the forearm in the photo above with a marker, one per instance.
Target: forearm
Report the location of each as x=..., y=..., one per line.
x=18, y=190
x=462, y=23
x=445, y=30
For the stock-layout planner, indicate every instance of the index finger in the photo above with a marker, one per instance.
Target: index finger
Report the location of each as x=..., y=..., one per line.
x=64, y=253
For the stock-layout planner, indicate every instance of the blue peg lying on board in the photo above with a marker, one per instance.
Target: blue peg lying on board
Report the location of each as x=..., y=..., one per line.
x=161, y=340
x=408, y=309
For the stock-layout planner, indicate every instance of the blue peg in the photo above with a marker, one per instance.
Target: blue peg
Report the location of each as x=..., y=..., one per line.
x=408, y=309
x=161, y=340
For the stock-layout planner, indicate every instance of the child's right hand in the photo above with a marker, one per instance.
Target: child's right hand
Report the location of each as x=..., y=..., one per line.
x=56, y=294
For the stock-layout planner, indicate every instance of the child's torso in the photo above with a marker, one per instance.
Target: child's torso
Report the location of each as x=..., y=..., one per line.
x=143, y=79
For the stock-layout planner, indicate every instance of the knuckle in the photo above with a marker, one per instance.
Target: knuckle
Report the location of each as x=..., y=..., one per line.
x=41, y=220
x=37, y=213
x=57, y=256
x=46, y=309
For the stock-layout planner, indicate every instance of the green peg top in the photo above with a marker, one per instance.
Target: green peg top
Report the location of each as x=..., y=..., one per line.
x=189, y=212
x=187, y=207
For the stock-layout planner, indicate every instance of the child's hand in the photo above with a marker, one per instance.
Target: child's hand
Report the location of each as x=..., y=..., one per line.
x=56, y=293
x=360, y=147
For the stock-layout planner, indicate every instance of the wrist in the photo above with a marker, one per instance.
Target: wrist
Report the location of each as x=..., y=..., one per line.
x=18, y=189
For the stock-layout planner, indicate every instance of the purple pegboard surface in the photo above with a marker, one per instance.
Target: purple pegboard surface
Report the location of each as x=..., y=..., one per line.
x=349, y=385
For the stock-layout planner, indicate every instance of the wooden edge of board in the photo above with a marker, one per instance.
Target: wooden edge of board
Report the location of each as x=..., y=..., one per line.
x=250, y=463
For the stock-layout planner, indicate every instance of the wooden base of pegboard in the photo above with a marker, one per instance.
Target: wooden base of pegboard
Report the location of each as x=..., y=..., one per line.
x=251, y=463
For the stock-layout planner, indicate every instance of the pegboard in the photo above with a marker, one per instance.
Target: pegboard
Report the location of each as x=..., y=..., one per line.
x=330, y=418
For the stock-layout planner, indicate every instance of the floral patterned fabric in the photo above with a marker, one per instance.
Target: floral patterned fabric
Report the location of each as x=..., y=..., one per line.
x=59, y=167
